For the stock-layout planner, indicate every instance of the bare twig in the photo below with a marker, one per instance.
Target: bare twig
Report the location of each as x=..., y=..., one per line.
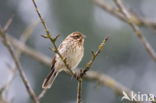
x=87, y=67
x=53, y=41
x=79, y=89
x=13, y=72
x=29, y=51
x=94, y=55
x=41, y=95
x=133, y=21
x=9, y=22
x=26, y=34
x=136, y=29
x=109, y=9
x=24, y=37
x=136, y=19
x=2, y=97
x=48, y=35
x=17, y=63
x=5, y=87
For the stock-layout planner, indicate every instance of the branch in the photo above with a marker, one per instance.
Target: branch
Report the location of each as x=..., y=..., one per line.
x=136, y=19
x=23, y=38
x=22, y=48
x=29, y=51
x=94, y=55
x=107, y=81
x=26, y=35
x=122, y=13
x=53, y=41
x=79, y=88
x=17, y=63
x=87, y=67
x=48, y=35
x=41, y=95
x=136, y=29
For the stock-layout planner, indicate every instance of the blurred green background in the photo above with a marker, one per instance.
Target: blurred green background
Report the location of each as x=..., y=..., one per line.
x=124, y=57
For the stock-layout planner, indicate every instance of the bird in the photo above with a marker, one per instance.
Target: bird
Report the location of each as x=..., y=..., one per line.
x=72, y=49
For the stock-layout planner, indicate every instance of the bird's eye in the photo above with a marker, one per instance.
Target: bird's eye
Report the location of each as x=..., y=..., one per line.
x=76, y=37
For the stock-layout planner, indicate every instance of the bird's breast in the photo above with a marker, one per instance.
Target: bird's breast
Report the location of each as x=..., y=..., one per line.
x=75, y=57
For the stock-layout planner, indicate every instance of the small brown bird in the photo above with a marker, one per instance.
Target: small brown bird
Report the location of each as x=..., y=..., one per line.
x=72, y=50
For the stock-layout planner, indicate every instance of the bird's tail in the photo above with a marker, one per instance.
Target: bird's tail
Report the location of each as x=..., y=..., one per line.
x=48, y=81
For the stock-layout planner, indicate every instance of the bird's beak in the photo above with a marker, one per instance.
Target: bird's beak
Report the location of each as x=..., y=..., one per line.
x=84, y=36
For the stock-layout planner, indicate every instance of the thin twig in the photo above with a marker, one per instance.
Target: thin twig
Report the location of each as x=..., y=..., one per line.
x=136, y=19
x=133, y=21
x=53, y=41
x=29, y=51
x=109, y=9
x=4, y=89
x=23, y=38
x=87, y=67
x=40, y=17
x=48, y=35
x=2, y=97
x=26, y=35
x=41, y=95
x=17, y=63
x=79, y=89
x=94, y=55
x=136, y=29
x=9, y=22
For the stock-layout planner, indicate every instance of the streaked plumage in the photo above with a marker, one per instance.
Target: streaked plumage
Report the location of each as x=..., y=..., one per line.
x=72, y=49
